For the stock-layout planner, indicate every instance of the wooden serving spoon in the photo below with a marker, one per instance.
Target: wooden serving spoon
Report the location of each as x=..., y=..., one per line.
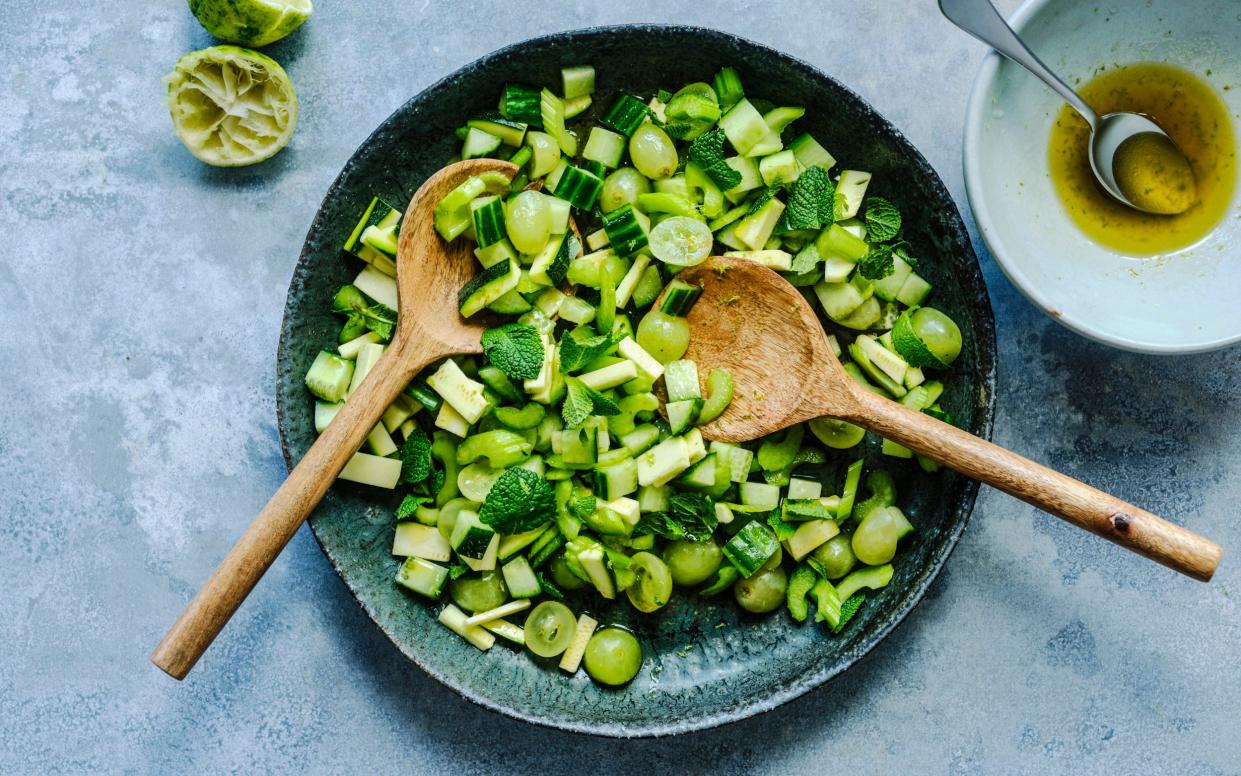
x=750, y=321
x=430, y=273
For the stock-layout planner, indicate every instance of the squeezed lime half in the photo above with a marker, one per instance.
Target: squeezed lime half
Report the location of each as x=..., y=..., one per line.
x=231, y=106
x=251, y=22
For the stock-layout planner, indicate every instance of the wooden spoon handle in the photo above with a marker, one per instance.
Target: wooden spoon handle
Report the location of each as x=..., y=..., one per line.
x=1062, y=496
x=245, y=563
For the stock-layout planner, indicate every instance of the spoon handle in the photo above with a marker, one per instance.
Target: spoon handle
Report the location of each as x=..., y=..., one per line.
x=980, y=19
x=1051, y=491
x=245, y=563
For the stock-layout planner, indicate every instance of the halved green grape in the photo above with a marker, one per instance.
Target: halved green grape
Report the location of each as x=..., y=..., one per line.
x=447, y=517
x=528, y=221
x=666, y=337
x=763, y=592
x=653, y=152
x=653, y=586
x=549, y=628
x=692, y=563
x=621, y=188
x=682, y=241
x=613, y=656
x=479, y=592
x=231, y=106
x=476, y=480
x=837, y=433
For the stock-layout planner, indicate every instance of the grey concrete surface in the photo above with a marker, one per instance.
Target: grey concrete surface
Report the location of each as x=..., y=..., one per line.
x=141, y=295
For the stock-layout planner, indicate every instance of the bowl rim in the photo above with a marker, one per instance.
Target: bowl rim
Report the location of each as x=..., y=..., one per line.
x=975, y=120
x=974, y=290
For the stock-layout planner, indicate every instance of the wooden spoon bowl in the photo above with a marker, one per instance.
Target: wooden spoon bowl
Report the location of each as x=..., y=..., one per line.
x=752, y=322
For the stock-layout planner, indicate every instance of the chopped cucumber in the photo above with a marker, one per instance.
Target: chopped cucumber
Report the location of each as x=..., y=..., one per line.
x=519, y=578
x=850, y=191
x=681, y=380
x=683, y=414
x=329, y=376
x=370, y=469
x=422, y=577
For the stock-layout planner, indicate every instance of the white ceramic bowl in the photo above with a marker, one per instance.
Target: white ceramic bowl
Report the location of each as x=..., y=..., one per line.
x=1184, y=302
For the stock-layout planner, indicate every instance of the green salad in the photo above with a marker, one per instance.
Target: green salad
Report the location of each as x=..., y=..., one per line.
x=541, y=479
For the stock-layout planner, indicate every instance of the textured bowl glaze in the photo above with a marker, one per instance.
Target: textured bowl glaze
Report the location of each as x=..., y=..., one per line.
x=697, y=674
x=1182, y=302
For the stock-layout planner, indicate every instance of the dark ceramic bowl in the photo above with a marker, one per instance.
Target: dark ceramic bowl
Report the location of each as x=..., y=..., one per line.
x=707, y=663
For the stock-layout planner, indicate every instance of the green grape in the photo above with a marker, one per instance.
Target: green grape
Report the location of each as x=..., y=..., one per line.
x=666, y=337
x=613, y=656
x=528, y=221
x=874, y=540
x=836, y=433
x=549, y=628
x=938, y=332
x=563, y=577
x=692, y=563
x=773, y=561
x=479, y=593
x=653, y=152
x=448, y=514
x=653, y=587
x=836, y=556
x=622, y=187
x=763, y=592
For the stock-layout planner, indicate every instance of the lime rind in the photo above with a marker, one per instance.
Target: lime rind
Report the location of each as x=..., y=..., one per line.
x=910, y=347
x=251, y=22
x=231, y=106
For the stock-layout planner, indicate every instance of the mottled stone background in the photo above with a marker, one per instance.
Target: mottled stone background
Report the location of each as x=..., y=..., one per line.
x=140, y=295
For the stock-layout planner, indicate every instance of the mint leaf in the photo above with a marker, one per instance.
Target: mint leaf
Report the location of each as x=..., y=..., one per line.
x=762, y=199
x=409, y=505
x=548, y=587
x=577, y=403
x=519, y=501
x=723, y=176
x=901, y=251
x=784, y=530
x=707, y=151
x=380, y=319
x=416, y=458
x=848, y=609
x=581, y=401
x=811, y=200
x=689, y=516
x=877, y=263
x=659, y=524
x=696, y=514
x=578, y=350
x=516, y=349
x=883, y=220
x=582, y=507
x=601, y=405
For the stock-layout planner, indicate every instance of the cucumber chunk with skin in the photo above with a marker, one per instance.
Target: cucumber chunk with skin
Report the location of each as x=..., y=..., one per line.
x=329, y=377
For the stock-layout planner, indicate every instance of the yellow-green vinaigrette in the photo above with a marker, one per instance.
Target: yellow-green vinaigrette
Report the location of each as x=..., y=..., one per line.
x=1196, y=119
